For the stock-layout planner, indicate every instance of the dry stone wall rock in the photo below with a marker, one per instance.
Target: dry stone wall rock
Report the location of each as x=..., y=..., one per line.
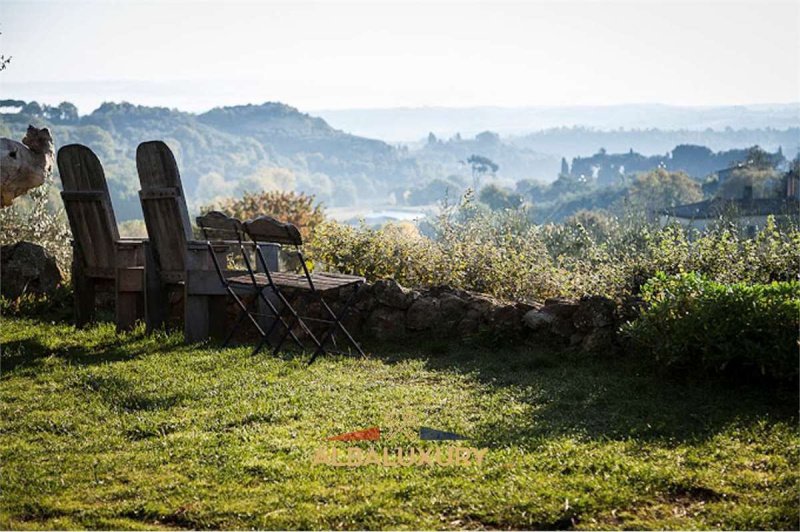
x=27, y=268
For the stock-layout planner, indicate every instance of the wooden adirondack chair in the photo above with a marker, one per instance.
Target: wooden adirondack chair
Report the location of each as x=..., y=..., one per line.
x=173, y=257
x=100, y=256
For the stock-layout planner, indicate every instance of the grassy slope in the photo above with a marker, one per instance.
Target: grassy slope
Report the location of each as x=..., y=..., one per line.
x=138, y=432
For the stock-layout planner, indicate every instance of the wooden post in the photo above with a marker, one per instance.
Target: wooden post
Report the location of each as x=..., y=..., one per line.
x=270, y=252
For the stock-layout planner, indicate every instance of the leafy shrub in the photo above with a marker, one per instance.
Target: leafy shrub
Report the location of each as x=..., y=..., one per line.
x=725, y=254
x=617, y=262
x=497, y=253
x=297, y=208
x=599, y=224
x=507, y=255
x=39, y=217
x=395, y=251
x=692, y=322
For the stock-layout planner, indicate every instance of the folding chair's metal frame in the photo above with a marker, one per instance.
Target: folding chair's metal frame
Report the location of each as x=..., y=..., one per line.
x=218, y=223
x=268, y=230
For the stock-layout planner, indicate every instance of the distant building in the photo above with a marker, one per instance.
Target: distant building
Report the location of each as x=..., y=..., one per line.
x=750, y=212
x=710, y=188
x=726, y=173
x=793, y=184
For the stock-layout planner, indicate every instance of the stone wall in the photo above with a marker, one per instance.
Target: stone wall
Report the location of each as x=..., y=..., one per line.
x=387, y=310
x=384, y=310
x=589, y=323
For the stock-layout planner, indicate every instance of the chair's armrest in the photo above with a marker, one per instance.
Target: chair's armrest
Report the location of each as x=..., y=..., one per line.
x=262, y=245
x=202, y=246
x=198, y=257
x=245, y=243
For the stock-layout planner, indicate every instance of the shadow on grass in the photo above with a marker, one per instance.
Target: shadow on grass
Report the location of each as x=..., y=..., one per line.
x=31, y=350
x=563, y=393
x=91, y=345
x=616, y=397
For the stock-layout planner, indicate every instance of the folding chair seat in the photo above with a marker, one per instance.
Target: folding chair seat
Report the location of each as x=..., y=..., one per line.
x=222, y=230
x=323, y=282
x=265, y=229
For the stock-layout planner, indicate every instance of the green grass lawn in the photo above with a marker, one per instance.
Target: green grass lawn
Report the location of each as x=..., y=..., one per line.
x=107, y=431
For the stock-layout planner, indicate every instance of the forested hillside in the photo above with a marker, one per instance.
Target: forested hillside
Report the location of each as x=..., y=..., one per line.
x=225, y=151
x=230, y=150
x=578, y=141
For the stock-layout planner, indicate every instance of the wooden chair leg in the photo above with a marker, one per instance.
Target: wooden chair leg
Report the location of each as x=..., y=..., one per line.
x=195, y=319
x=128, y=308
x=155, y=300
x=84, y=289
x=217, y=316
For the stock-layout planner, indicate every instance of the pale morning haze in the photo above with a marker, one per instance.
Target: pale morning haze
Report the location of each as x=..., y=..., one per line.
x=325, y=55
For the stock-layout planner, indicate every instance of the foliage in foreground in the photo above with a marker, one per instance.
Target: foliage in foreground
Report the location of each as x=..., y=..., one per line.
x=504, y=254
x=296, y=208
x=690, y=322
x=39, y=217
x=105, y=431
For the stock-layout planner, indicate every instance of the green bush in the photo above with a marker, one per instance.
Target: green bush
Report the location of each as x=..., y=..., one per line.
x=690, y=322
x=505, y=254
x=296, y=208
x=396, y=251
x=496, y=253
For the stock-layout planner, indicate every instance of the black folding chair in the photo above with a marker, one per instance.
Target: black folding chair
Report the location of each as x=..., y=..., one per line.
x=217, y=229
x=267, y=230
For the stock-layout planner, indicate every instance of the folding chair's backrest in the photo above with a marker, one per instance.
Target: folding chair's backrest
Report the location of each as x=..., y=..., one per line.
x=266, y=229
x=219, y=226
x=163, y=206
x=88, y=206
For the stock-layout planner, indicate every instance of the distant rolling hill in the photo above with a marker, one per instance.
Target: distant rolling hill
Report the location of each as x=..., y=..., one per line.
x=229, y=150
x=226, y=150
x=413, y=123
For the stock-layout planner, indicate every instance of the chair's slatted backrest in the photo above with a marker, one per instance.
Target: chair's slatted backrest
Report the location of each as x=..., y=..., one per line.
x=219, y=226
x=269, y=230
x=89, y=209
x=164, y=207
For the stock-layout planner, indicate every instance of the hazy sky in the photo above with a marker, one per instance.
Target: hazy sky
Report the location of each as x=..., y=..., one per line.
x=194, y=55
